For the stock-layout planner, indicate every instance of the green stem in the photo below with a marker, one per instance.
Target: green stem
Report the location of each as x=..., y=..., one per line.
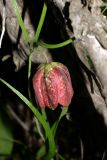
x=29, y=74
x=29, y=65
x=44, y=113
x=40, y=118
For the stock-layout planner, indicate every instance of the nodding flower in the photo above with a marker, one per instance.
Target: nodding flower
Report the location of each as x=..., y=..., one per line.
x=52, y=85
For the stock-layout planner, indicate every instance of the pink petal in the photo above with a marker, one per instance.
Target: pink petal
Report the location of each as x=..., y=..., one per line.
x=65, y=91
x=52, y=88
x=37, y=88
x=45, y=93
x=66, y=75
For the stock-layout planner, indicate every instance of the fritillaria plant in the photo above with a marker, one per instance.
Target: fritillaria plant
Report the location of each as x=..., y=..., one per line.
x=52, y=86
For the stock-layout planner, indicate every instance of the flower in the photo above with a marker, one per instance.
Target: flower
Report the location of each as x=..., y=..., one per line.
x=52, y=85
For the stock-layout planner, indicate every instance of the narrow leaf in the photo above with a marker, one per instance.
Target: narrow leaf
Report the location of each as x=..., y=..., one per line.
x=21, y=23
x=6, y=146
x=54, y=46
x=41, y=21
x=39, y=117
x=55, y=125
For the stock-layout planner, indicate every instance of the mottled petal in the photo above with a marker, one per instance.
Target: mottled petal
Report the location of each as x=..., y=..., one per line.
x=52, y=88
x=52, y=85
x=37, y=88
x=45, y=93
x=64, y=69
x=67, y=80
x=65, y=91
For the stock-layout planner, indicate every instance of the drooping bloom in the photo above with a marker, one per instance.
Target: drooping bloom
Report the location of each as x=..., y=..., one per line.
x=52, y=85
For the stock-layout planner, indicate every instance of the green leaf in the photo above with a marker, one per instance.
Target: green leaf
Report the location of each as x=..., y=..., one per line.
x=60, y=157
x=39, y=116
x=21, y=23
x=55, y=125
x=41, y=21
x=6, y=137
x=104, y=9
x=54, y=46
x=42, y=151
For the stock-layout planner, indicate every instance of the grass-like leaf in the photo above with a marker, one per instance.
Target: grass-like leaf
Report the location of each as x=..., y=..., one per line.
x=40, y=24
x=6, y=146
x=39, y=116
x=41, y=152
x=54, y=46
x=55, y=125
x=105, y=9
x=20, y=21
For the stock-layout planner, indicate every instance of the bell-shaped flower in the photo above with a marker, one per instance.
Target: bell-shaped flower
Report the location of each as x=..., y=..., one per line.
x=52, y=85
